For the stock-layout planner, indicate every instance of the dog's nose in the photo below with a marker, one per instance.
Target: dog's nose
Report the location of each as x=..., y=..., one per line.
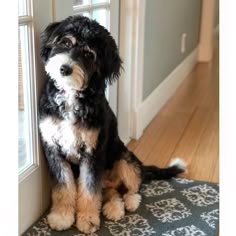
x=65, y=70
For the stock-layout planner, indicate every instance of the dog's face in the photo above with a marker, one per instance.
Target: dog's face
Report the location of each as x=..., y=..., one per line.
x=78, y=51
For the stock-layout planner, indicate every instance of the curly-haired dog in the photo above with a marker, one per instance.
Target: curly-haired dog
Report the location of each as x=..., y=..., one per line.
x=79, y=130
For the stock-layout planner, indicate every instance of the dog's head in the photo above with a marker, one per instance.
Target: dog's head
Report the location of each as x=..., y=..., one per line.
x=78, y=51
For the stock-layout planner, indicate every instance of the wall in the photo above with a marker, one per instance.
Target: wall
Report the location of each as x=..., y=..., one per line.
x=165, y=21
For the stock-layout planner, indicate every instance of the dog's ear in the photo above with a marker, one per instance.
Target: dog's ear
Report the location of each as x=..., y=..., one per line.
x=112, y=62
x=47, y=41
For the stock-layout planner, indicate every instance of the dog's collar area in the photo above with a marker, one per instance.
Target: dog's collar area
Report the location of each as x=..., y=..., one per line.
x=78, y=93
x=84, y=93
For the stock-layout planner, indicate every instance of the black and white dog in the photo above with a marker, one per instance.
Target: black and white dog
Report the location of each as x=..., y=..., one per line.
x=87, y=159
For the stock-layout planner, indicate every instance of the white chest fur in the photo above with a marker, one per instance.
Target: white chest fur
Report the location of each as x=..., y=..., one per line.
x=62, y=132
x=69, y=99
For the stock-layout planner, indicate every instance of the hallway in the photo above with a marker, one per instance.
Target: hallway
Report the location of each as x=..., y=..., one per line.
x=188, y=125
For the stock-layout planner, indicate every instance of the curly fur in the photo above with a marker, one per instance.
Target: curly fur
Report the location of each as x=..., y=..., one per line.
x=78, y=128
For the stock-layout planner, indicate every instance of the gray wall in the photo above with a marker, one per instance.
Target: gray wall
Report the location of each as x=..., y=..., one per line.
x=165, y=21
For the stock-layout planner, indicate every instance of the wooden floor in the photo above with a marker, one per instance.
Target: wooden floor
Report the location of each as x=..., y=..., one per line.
x=187, y=126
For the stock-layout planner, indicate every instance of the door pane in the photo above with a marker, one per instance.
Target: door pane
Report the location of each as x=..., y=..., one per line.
x=101, y=16
x=88, y=2
x=22, y=9
x=24, y=148
x=81, y=2
x=85, y=13
x=99, y=1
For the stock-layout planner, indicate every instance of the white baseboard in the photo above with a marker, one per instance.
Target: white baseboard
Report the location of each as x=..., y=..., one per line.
x=155, y=101
x=125, y=140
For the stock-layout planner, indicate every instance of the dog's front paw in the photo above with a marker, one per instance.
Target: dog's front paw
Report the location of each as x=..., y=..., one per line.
x=114, y=209
x=132, y=201
x=87, y=223
x=61, y=219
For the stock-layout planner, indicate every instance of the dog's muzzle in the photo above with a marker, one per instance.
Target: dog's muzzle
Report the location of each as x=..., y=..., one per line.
x=67, y=73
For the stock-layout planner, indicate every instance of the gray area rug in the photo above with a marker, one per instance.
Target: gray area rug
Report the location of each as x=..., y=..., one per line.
x=177, y=207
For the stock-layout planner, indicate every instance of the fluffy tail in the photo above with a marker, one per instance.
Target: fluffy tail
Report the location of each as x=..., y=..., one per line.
x=176, y=167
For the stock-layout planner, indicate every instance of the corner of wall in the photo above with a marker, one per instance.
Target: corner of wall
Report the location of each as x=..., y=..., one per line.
x=150, y=107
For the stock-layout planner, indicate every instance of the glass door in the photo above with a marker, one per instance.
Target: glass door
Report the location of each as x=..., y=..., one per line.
x=30, y=160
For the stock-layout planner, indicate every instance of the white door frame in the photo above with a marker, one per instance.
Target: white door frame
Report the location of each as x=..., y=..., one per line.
x=132, y=19
x=114, y=29
x=206, y=32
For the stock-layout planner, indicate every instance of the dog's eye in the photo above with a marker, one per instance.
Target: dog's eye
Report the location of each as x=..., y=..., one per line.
x=65, y=42
x=90, y=55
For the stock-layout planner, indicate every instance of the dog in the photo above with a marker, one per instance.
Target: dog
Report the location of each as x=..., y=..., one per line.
x=90, y=165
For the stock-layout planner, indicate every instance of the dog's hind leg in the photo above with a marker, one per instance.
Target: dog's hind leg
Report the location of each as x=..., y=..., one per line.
x=129, y=170
x=113, y=208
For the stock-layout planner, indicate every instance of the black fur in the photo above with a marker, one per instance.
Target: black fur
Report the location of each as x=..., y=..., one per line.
x=91, y=109
x=92, y=34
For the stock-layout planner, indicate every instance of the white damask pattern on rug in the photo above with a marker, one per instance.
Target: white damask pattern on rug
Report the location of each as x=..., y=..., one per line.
x=169, y=210
x=41, y=229
x=201, y=195
x=185, y=231
x=156, y=188
x=134, y=225
x=211, y=217
x=81, y=234
x=176, y=207
x=183, y=181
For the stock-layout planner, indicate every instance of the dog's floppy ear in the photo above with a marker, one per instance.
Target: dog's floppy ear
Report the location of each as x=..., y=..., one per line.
x=112, y=63
x=46, y=40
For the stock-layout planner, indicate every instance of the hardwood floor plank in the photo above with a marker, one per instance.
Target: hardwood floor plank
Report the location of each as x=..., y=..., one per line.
x=192, y=135
x=150, y=138
x=190, y=93
x=205, y=160
x=161, y=153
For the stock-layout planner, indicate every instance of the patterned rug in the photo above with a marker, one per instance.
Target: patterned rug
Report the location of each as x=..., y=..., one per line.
x=178, y=207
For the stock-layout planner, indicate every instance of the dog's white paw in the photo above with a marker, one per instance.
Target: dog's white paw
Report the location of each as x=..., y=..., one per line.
x=88, y=223
x=132, y=201
x=61, y=219
x=114, y=209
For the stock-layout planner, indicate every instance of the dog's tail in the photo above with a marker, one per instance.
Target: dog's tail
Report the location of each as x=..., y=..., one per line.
x=177, y=166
